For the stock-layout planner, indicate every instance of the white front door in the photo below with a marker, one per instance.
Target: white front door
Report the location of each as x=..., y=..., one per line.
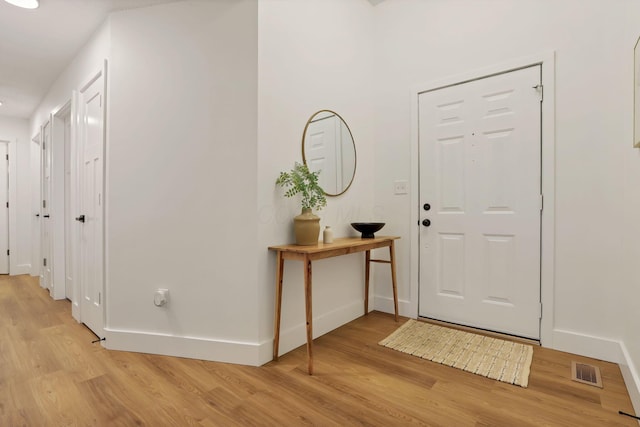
x=480, y=189
x=4, y=208
x=46, y=223
x=91, y=204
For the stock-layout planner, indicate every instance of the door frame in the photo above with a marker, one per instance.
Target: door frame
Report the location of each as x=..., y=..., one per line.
x=546, y=60
x=57, y=199
x=45, y=141
x=74, y=190
x=35, y=159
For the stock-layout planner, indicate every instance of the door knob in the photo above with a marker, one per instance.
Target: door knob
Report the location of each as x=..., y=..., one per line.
x=80, y=218
x=45, y=216
x=426, y=206
x=426, y=222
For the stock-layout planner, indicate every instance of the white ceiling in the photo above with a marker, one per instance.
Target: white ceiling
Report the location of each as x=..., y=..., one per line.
x=36, y=45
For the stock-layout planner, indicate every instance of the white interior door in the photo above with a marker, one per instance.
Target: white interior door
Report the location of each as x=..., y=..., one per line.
x=480, y=174
x=91, y=204
x=46, y=224
x=36, y=203
x=321, y=139
x=4, y=207
x=68, y=218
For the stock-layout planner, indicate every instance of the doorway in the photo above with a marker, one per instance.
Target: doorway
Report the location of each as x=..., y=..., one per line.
x=480, y=179
x=46, y=275
x=91, y=146
x=35, y=153
x=68, y=208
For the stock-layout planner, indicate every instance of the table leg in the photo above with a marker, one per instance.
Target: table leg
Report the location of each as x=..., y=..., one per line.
x=276, y=327
x=393, y=277
x=367, y=271
x=308, y=305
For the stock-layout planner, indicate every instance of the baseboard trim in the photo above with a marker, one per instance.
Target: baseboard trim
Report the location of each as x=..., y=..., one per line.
x=385, y=305
x=21, y=269
x=237, y=352
x=296, y=336
x=587, y=345
x=631, y=377
x=244, y=353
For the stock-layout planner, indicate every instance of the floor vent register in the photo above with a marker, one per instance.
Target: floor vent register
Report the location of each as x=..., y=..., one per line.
x=586, y=374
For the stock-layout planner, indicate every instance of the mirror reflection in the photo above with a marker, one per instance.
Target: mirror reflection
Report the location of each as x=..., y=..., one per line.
x=327, y=145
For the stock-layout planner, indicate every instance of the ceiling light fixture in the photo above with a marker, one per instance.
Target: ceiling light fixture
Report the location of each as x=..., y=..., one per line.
x=26, y=4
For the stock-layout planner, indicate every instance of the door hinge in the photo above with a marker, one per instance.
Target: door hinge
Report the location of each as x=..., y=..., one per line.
x=43, y=145
x=44, y=203
x=8, y=252
x=540, y=89
x=541, y=202
x=540, y=313
x=44, y=262
x=99, y=298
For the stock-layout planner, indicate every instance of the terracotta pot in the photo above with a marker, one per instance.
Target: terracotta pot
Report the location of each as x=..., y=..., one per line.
x=307, y=228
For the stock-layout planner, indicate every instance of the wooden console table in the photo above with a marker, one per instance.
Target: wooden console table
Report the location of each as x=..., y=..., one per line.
x=307, y=254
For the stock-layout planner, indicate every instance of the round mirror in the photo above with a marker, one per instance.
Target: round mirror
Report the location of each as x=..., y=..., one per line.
x=327, y=146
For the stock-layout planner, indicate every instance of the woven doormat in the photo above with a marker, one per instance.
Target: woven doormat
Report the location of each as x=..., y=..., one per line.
x=493, y=358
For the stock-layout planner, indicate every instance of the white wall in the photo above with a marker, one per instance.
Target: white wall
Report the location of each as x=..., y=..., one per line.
x=596, y=169
x=313, y=55
x=85, y=64
x=16, y=131
x=181, y=180
x=630, y=319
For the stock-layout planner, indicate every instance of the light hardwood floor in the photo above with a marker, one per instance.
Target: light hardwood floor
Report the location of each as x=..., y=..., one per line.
x=51, y=374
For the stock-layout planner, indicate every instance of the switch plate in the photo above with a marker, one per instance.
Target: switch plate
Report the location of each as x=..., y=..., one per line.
x=401, y=187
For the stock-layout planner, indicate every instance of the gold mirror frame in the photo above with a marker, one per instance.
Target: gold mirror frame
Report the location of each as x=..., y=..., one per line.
x=349, y=146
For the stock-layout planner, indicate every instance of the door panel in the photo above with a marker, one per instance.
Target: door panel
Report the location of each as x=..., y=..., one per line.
x=480, y=166
x=452, y=263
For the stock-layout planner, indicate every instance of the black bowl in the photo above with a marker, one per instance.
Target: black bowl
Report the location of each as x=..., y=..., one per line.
x=367, y=228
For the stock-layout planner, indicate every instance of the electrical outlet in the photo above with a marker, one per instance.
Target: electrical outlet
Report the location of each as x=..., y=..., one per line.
x=401, y=187
x=161, y=297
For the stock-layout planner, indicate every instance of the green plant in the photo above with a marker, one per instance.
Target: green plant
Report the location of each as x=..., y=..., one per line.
x=301, y=180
